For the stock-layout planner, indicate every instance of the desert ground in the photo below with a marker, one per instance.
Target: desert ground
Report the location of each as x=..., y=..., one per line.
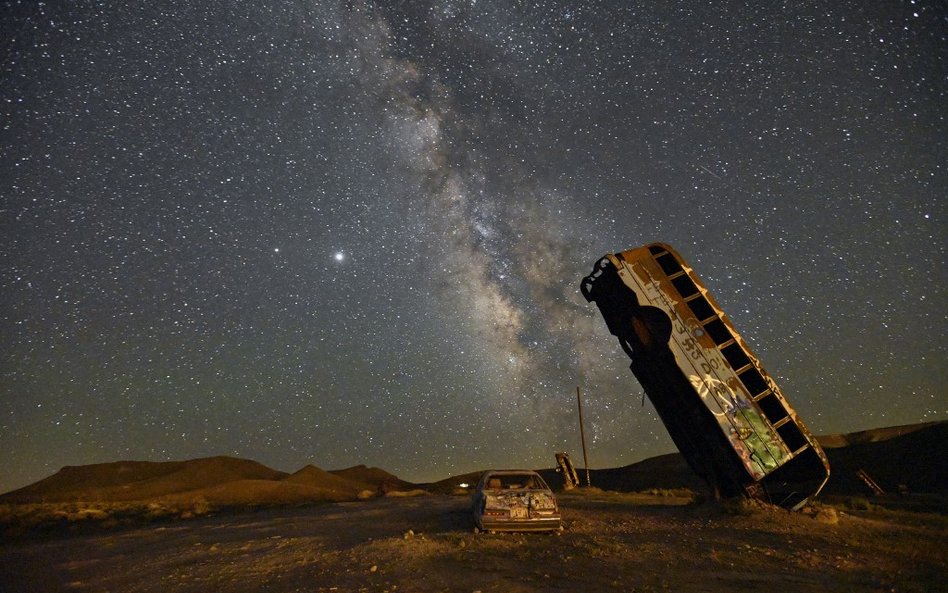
x=611, y=542
x=229, y=525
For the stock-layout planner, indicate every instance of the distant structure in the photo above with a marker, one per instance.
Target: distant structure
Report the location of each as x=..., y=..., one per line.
x=724, y=412
x=582, y=436
x=868, y=481
x=564, y=465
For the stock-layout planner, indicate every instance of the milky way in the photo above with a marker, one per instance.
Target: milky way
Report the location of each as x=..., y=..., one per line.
x=353, y=232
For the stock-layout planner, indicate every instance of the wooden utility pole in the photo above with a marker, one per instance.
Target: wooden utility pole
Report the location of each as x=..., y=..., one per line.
x=582, y=435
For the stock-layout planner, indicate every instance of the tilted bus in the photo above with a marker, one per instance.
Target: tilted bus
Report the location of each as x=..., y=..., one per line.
x=724, y=412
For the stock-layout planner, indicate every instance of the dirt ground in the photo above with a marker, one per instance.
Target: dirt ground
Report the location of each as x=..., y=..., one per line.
x=611, y=542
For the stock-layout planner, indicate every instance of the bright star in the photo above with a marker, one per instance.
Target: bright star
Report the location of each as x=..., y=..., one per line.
x=339, y=256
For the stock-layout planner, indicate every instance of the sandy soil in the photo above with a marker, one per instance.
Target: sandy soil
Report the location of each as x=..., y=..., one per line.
x=612, y=542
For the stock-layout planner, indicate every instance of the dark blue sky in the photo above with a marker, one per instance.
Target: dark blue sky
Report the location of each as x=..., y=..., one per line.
x=340, y=233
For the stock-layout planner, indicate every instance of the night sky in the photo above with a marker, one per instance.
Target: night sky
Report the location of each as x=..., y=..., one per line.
x=354, y=232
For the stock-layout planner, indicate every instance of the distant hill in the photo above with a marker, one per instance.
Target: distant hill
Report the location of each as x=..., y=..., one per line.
x=664, y=472
x=139, y=480
x=320, y=478
x=906, y=457
x=913, y=456
x=219, y=480
x=374, y=476
x=914, y=459
x=449, y=485
x=876, y=435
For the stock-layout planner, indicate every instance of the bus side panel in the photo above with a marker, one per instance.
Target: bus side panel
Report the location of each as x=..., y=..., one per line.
x=757, y=444
x=724, y=412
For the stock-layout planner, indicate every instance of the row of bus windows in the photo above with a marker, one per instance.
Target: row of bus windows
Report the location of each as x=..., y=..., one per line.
x=735, y=355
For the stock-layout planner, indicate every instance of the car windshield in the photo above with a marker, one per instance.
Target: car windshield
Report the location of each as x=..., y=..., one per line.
x=513, y=482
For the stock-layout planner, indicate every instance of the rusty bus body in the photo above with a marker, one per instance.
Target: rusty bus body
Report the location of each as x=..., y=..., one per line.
x=724, y=412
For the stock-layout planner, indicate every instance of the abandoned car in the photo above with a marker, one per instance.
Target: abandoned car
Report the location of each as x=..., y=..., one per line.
x=514, y=500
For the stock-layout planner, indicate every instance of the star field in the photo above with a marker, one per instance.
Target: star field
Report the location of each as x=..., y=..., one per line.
x=353, y=232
